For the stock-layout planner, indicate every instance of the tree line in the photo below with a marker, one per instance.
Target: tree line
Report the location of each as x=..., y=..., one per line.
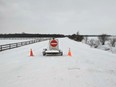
x=102, y=39
x=26, y=35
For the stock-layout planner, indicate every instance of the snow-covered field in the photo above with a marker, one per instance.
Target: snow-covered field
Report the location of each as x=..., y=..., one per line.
x=10, y=41
x=88, y=67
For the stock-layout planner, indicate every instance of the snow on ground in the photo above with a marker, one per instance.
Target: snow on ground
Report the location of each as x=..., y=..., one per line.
x=107, y=48
x=6, y=41
x=88, y=67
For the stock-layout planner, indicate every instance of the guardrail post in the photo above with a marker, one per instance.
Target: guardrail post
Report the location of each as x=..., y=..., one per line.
x=16, y=45
x=9, y=46
x=0, y=48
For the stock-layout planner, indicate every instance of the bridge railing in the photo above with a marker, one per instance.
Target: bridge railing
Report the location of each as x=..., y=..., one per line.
x=19, y=44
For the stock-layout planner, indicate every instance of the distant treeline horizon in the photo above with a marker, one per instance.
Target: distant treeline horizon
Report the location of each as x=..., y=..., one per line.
x=77, y=36
x=28, y=35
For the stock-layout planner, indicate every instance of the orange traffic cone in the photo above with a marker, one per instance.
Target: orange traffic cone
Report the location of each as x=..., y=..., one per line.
x=31, y=52
x=69, y=53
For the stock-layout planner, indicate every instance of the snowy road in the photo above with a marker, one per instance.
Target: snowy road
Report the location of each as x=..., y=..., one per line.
x=87, y=67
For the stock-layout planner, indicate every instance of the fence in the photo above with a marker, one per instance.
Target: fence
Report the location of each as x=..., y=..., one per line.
x=19, y=44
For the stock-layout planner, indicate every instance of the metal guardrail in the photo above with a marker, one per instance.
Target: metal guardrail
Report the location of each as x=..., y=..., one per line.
x=19, y=44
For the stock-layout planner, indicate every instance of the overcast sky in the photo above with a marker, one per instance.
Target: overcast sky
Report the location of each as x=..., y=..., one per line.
x=58, y=16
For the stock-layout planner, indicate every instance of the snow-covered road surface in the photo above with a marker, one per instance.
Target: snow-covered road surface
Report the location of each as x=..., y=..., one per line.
x=88, y=67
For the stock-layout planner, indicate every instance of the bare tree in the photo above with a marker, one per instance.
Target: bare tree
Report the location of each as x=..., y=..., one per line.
x=85, y=40
x=94, y=43
x=113, y=42
x=91, y=42
x=102, y=38
x=97, y=43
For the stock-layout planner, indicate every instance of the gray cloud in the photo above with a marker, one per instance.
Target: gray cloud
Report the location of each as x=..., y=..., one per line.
x=58, y=16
